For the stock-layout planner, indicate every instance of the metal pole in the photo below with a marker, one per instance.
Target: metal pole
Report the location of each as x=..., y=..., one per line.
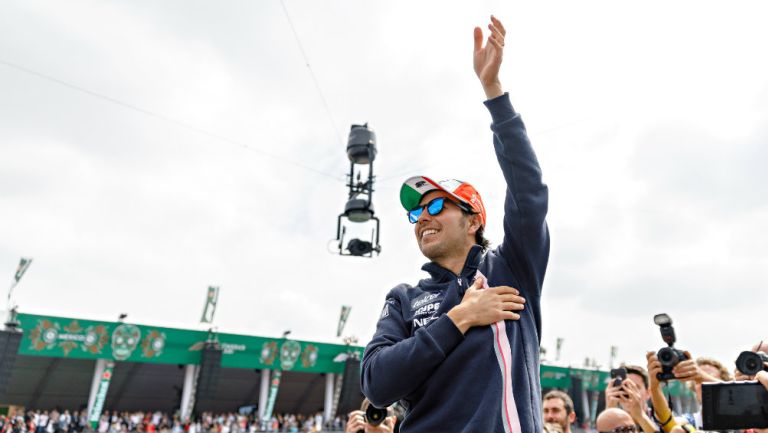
x=188, y=392
x=328, y=405
x=263, y=392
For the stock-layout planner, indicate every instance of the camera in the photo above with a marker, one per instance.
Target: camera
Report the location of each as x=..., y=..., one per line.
x=734, y=405
x=749, y=363
x=375, y=416
x=668, y=356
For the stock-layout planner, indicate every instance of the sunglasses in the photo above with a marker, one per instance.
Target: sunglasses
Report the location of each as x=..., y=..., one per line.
x=625, y=429
x=434, y=207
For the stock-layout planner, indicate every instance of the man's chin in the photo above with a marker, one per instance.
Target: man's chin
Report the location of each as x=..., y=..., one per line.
x=429, y=251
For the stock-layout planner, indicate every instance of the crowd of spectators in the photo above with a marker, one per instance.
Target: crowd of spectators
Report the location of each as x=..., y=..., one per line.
x=66, y=421
x=638, y=404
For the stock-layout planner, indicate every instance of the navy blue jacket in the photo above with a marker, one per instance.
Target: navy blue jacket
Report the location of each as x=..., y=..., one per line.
x=488, y=379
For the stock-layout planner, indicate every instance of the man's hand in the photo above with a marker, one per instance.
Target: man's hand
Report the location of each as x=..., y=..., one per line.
x=481, y=307
x=688, y=370
x=612, y=395
x=487, y=60
x=630, y=399
x=654, y=368
x=762, y=377
x=356, y=422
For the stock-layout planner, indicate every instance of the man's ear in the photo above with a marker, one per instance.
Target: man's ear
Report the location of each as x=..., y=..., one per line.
x=474, y=223
x=571, y=417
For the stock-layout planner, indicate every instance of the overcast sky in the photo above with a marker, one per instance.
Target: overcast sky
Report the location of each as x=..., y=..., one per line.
x=149, y=149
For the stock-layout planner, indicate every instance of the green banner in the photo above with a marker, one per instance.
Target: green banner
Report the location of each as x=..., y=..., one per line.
x=101, y=395
x=87, y=339
x=274, y=385
x=555, y=377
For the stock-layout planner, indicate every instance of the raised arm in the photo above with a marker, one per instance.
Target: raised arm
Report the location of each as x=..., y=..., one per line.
x=526, y=237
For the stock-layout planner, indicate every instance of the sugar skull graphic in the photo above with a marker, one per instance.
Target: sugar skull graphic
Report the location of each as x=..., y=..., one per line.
x=125, y=338
x=289, y=354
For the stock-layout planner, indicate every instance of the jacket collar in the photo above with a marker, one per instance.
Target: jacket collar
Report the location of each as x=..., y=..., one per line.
x=441, y=275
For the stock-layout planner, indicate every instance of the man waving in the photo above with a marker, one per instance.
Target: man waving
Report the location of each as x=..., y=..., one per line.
x=460, y=348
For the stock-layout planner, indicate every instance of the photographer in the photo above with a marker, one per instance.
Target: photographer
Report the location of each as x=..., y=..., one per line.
x=700, y=371
x=632, y=395
x=632, y=400
x=660, y=407
x=357, y=422
x=635, y=374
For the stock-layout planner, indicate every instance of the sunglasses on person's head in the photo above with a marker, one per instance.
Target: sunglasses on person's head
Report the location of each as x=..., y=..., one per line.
x=434, y=207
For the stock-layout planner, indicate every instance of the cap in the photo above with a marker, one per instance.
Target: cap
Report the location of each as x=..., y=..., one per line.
x=414, y=188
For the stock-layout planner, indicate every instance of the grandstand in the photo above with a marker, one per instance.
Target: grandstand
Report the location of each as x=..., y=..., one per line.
x=62, y=362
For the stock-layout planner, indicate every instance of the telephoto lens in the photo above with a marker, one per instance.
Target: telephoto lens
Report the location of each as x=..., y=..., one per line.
x=749, y=363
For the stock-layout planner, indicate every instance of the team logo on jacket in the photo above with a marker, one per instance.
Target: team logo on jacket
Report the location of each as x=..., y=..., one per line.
x=424, y=309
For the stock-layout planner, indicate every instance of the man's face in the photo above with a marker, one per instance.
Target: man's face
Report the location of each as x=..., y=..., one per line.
x=644, y=393
x=444, y=234
x=554, y=412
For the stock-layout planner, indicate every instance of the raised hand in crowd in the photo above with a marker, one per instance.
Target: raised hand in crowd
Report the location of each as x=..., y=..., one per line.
x=631, y=400
x=762, y=377
x=660, y=406
x=690, y=370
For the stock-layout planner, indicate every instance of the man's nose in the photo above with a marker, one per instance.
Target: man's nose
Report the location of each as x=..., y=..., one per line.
x=425, y=216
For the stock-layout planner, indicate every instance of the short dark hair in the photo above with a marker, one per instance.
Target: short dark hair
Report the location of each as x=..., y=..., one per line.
x=640, y=371
x=567, y=402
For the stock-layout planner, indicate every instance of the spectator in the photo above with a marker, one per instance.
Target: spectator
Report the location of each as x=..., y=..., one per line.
x=636, y=374
x=615, y=420
x=356, y=422
x=558, y=409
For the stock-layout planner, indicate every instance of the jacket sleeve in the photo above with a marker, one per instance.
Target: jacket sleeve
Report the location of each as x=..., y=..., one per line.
x=526, y=236
x=396, y=363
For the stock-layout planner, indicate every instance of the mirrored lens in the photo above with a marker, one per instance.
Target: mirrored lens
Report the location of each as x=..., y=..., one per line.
x=435, y=206
x=414, y=214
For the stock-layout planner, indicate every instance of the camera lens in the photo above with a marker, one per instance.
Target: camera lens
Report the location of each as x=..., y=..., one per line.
x=375, y=416
x=749, y=363
x=667, y=357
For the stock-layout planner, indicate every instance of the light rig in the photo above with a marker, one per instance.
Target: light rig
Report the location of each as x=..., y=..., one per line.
x=361, y=150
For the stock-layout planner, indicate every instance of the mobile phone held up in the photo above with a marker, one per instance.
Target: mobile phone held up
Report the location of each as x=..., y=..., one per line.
x=618, y=375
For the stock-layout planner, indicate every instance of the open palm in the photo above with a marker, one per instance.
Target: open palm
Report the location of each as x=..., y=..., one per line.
x=487, y=59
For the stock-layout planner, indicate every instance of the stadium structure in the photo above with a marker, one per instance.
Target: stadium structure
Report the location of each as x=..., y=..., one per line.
x=70, y=363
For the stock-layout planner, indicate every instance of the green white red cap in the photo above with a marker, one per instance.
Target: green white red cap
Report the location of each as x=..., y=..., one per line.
x=414, y=188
